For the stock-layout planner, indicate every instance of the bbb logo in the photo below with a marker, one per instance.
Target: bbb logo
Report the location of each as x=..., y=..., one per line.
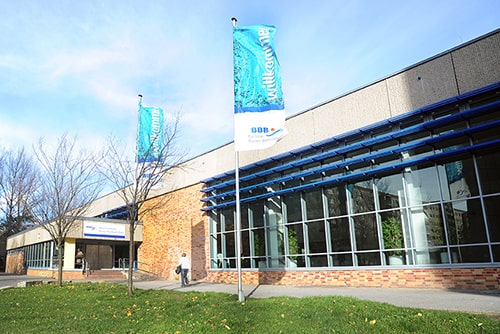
x=260, y=129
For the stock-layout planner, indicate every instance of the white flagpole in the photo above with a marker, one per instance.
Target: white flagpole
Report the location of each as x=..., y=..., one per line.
x=241, y=296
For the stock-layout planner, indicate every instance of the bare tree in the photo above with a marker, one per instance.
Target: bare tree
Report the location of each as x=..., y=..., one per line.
x=70, y=181
x=137, y=182
x=19, y=179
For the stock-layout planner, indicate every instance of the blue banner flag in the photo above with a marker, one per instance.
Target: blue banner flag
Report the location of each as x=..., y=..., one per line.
x=149, y=134
x=258, y=98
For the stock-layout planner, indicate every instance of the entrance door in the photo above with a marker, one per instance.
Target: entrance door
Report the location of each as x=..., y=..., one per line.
x=100, y=256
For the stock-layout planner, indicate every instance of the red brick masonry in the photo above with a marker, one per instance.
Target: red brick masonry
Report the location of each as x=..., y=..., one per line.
x=438, y=278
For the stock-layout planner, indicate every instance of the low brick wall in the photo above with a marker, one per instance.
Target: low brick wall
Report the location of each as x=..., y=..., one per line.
x=50, y=273
x=442, y=278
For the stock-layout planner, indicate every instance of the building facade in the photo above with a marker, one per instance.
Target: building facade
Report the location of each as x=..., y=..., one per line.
x=394, y=184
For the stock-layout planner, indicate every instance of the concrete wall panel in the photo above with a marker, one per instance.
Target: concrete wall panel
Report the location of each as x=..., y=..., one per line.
x=478, y=64
x=427, y=83
x=350, y=112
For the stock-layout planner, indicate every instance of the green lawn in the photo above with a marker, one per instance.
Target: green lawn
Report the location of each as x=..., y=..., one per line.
x=106, y=308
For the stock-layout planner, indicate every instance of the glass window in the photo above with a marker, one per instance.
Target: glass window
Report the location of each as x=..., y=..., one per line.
x=496, y=253
x=475, y=254
x=431, y=256
x=275, y=244
x=316, y=236
x=273, y=212
x=230, y=244
x=368, y=259
x=342, y=260
x=339, y=234
x=214, y=221
x=336, y=201
x=488, y=165
x=318, y=261
x=295, y=239
x=245, y=243
x=314, y=204
x=492, y=206
x=465, y=222
x=366, y=232
x=259, y=242
x=458, y=179
x=257, y=213
x=421, y=185
x=426, y=224
x=292, y=204
x=228, y=218
x=214, y=251
x=390, y=191
x=392, y=231
x=244, y=216
x=362, y=197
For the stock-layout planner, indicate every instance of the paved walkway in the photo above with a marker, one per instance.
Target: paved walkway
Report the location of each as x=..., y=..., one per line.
x=437, y=299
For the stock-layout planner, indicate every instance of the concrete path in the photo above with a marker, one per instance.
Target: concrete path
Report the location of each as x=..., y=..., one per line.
x=437, y=299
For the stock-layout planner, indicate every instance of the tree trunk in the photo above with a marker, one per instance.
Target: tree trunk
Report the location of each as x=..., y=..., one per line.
x=59, y=262
x=131, y=256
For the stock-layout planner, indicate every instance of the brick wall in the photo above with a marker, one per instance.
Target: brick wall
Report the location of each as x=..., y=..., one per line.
x=442, y=278
x=14, y=264
x=176, y=225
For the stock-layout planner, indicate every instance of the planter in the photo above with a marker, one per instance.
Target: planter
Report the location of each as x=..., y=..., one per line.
x=396, y=260
x=291, y=263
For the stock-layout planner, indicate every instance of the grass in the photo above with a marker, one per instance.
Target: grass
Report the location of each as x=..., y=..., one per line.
x=106, y=308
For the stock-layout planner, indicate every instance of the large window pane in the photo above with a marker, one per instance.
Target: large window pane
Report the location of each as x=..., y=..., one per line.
x=427, y=230
x=244, y=216
x=422, y=186
x=316, y=236
x=458, y=179
x=292, y=205
x=230, y=244
x=273, y=213
x=319, y=261
x=295, y=239
x=245, y=248
x=392, y=231
x=390, y=191
x=342, y=260
x=275, y=241
x=314, y=204
x=257, y=213
x=228, y=216
x=259, y=242
x=362, y=197
x=339, y=235
x=465, y=222
x=488, y=166
x=471, y=254
x=368, y=259
x=366, y=232
x=336, y=201
x=492, y=206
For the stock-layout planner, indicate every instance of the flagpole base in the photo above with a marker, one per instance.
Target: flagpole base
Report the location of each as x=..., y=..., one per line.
x=241, y=296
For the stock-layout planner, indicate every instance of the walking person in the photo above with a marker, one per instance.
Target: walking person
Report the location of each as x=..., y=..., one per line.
x=185, y=265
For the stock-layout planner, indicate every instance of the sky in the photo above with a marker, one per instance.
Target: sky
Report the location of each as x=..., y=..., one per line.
x=77, y=67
